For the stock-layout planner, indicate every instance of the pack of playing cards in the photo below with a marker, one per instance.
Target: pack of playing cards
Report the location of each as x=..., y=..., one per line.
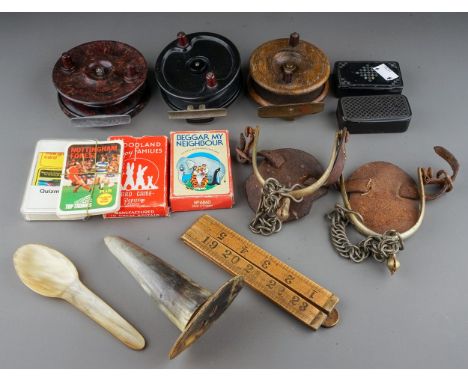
x=41, y=195
x=144, y=179
x=200, y=170
x=91, y=178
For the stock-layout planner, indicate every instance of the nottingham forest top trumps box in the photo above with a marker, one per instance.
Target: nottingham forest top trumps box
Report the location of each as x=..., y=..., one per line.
x=201, y=175
x=144, y=180
x=91, y=177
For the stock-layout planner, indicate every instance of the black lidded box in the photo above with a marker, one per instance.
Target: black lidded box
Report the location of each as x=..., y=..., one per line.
x=352, y=78
x=389, y=113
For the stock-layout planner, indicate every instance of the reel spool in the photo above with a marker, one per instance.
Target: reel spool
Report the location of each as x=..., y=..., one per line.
x=199, y=76
x=101, y=83
x=288, y=78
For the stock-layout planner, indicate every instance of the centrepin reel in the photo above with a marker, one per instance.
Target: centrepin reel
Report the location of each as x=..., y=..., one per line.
x=101, y=83
x=288, y=78
x=385, y=204
x=283, y=187
x=199, y=76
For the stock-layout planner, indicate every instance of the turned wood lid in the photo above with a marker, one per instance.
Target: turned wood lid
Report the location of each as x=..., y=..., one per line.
x=289, y=66
x=100, y=73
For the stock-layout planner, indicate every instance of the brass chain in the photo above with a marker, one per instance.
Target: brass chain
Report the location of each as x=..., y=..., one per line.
x=266, y=220
x=381, y=247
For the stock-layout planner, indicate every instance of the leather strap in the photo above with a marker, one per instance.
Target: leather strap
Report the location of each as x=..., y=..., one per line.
x=340, y=160
x=244, y=148
x=441, y=178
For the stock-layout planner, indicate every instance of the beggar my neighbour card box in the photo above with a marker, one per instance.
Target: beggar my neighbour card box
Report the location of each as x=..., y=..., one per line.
x=201, y=175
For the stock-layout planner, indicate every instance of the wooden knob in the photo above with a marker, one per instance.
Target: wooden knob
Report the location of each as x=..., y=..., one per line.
x=294, y=39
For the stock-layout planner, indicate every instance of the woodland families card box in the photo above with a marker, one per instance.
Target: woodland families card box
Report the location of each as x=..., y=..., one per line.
x=200, y=170
x=144, y=180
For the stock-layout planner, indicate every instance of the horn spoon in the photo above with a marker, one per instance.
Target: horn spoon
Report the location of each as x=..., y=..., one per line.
x=51, y=274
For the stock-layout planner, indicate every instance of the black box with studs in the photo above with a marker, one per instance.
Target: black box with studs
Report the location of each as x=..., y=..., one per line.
x=389, y=113
x=354, y=78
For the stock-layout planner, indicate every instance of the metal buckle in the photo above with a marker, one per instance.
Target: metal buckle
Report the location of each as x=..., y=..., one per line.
x=290, y=111
x=197, y=114
x=101, y=120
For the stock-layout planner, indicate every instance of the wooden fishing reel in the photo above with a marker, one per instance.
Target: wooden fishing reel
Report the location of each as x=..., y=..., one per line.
x=387, y=206
x=283, y=187
x=199, y=76
x=288, y=78
x=101, y=83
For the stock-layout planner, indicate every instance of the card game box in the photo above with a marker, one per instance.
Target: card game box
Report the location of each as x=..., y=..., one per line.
x=144, y=179
x=91, y=179
x=41, y=195
x=200, y=168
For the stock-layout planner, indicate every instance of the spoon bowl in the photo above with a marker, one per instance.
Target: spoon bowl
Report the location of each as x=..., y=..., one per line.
x=44, y=270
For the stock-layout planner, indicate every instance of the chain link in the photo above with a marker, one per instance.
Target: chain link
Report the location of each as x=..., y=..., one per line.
x=266, y=220
x=381, y=247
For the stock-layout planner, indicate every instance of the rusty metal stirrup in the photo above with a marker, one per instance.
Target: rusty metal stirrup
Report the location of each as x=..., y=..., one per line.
x=360, y=224
x=338, y=147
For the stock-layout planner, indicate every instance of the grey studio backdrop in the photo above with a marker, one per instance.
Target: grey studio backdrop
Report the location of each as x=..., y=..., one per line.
x=417, y=318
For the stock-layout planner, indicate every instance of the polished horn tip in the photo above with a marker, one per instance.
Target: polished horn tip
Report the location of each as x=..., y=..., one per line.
x=109, y=240
x=139, y=344
x=114, y=243
x=121, y=248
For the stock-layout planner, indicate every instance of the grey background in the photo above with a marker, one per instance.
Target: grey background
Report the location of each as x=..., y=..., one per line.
x=417, y=318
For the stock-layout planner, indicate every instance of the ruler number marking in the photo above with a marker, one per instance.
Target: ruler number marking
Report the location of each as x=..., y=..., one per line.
x=265, y=264
x=273, y=287
x=222, y=235
x=237, y=243
x=212, y=244
x=295, y=300
x=268, y=263
x=289, y=279
x=227, y=253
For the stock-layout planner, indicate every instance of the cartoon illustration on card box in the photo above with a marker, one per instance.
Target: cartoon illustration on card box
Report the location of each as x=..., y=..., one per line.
x=200, y=171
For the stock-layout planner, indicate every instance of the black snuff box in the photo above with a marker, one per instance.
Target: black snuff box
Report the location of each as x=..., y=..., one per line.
x=199, y=76
x=101, y=83
x=390, y=113
x=354, y=78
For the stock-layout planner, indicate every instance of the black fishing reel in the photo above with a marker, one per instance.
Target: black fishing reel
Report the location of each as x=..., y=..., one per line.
x=199, y=76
